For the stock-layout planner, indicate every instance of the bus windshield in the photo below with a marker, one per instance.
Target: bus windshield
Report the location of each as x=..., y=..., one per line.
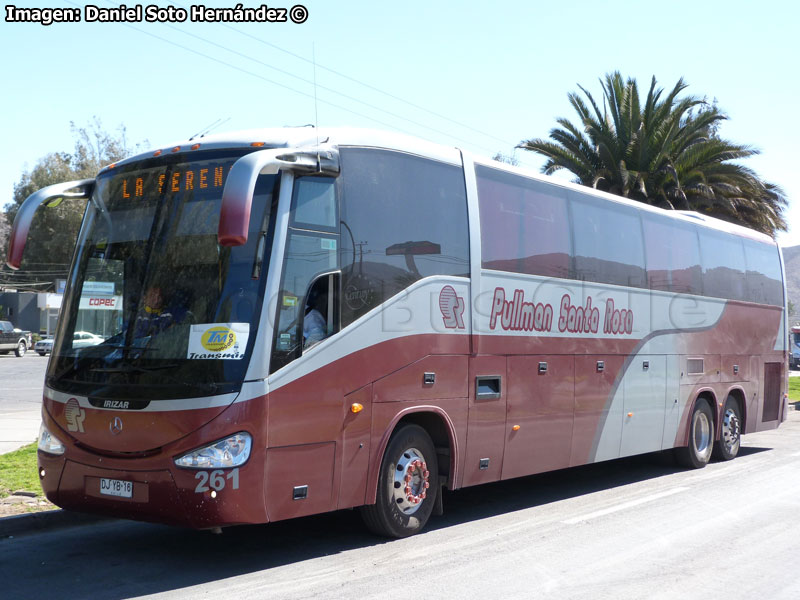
x=153, y=300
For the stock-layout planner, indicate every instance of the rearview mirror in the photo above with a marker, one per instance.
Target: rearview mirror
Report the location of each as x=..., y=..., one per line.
x=51, y=196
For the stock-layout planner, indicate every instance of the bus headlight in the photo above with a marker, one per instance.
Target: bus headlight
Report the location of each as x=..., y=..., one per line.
x=48, y=442
x=233, y=451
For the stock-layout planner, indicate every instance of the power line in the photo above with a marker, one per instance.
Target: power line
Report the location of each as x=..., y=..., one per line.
x=322, y=87
x=334, y=91
x=354, y=80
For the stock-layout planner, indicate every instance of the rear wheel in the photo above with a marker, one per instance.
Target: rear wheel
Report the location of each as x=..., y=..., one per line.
x=22, y=347
x=731, y=431
x=701, y=438
x=407, y=485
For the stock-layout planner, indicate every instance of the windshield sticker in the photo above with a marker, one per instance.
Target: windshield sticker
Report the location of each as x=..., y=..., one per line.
x=218, y=341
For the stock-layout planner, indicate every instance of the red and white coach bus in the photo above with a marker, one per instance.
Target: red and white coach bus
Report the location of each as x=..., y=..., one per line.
x=309, y=321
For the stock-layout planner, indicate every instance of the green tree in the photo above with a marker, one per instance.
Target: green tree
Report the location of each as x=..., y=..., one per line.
x=665, y=152
x=51, y=240
x=509, y=159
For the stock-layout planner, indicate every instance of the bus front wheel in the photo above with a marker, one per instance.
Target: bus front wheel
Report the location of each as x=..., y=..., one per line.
x=407, y=485
x=701, y=438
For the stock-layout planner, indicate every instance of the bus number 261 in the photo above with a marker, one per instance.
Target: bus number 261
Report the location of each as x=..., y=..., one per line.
x=216, y=480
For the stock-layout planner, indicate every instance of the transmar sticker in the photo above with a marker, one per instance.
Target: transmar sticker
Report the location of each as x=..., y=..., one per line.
x=218, y=341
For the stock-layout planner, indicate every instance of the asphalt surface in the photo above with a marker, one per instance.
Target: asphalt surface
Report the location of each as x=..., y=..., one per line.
x=633, y=528
x=21, y=385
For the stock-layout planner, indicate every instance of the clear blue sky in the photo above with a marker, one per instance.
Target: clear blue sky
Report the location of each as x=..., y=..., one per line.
x=493, y=73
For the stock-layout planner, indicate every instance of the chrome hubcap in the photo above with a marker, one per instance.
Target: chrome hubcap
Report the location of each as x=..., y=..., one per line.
x=702, y=434
x=730, y=431
x=411, y=481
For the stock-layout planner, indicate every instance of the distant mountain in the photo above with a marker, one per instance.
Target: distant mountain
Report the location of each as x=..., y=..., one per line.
x=791, y=259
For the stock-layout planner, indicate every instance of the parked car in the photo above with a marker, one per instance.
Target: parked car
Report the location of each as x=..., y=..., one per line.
x=44, y=346
x=80, y=339
x=14, y=339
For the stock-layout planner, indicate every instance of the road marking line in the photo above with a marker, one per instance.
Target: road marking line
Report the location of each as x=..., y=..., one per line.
x=624, y=506
x=795, y=454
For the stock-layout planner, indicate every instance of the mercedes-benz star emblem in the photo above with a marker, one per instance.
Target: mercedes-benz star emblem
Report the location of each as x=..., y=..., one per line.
x=115, y=426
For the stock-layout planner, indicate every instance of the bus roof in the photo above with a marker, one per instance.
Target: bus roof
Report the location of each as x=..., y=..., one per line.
x=309, y=136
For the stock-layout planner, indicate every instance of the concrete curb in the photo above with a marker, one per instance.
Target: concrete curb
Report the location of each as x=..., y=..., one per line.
x=46, y=520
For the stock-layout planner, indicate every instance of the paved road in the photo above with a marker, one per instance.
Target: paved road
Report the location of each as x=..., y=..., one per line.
x=635, y=528
x=20, y=399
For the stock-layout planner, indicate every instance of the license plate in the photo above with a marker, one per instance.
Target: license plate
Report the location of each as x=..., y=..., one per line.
x=116, y=487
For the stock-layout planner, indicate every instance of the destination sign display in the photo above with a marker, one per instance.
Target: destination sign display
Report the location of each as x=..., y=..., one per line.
x=185, y=179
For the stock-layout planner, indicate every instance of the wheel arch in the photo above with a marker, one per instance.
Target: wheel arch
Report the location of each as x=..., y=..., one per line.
x=438, y=425
x=707, y=395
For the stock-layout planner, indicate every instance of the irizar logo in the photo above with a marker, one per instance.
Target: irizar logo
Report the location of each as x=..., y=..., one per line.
x=218, y=339
x=116, y=404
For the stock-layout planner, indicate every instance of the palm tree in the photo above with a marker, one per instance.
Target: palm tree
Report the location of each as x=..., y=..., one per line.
x=665, y=153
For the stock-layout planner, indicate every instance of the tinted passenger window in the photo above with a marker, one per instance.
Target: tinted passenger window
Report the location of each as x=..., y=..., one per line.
x=403, y=218
x=723, y=264
x=524, y=224
x=608, y=242
x=673, y=255
x=763, y=280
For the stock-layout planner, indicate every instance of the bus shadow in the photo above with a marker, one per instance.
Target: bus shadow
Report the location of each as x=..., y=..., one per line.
x=121, y=559
x=538, y=490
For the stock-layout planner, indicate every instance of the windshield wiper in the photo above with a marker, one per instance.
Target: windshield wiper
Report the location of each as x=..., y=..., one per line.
x=123, y=347
x=128, y=368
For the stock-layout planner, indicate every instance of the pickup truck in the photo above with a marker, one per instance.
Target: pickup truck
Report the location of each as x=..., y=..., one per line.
x=14, y=339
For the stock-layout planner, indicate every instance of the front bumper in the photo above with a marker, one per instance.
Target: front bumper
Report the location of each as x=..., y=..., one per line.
x=161, y=492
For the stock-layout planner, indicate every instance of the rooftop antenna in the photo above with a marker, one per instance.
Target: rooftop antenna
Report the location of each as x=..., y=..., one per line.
x=316, y=115
x=209, y=128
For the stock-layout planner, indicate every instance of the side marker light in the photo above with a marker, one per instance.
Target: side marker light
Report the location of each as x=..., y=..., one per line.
x=356, y=408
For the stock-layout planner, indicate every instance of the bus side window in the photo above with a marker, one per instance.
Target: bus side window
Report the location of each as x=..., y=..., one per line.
x=403, y=218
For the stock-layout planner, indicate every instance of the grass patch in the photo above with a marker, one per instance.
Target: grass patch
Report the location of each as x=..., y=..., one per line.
x=794, y=389
x=19, y=471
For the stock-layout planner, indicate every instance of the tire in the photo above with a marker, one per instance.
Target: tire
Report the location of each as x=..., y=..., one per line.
x=701, y=438
x=42, y=353
x=21, y=349
x=730, y=436
x=407, y=485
